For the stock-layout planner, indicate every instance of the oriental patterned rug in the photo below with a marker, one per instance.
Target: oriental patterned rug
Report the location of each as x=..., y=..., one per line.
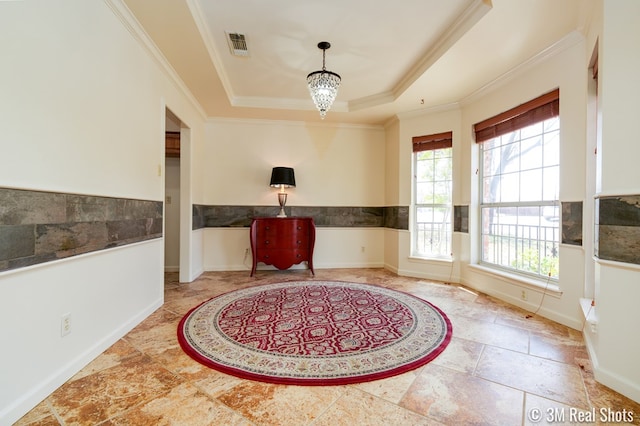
x=314, y=333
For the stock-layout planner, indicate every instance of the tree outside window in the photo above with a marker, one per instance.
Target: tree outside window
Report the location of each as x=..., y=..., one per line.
x=519, y=189
x=433, y=202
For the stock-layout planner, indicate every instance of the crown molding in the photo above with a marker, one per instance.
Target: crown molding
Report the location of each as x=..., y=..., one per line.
x=453, y=106
x=278, y=103
x=214, y=55
x=465, y=21
x=128, y=20
x=371, y=101
x=291, y=123
x=246, y=101
x=568, y=41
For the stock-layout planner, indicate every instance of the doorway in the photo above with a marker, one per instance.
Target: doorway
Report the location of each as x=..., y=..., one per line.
x=172, y=193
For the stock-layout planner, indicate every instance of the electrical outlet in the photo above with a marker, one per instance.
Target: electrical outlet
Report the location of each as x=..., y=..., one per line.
x=362, y=249
x=65, y=324
x=523, y=295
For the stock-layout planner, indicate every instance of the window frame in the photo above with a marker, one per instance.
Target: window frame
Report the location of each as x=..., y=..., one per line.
x=420, y=144
x=533, y=112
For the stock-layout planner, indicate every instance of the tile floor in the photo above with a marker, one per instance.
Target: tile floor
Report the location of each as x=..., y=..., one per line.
x=499, y=368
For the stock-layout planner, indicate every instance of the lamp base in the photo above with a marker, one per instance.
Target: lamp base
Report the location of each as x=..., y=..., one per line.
x=282, y=200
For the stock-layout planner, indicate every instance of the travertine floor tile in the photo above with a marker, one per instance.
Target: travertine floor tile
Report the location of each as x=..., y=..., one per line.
x=113, y=356
x=541, y=411
x=502, y=363
x=391, y=389
x=40, y=415
x=181, y=364
x=269, y=404
x=156, y=334
x=489, y=333
x=451, y=397
x=554, y=347
x=459, y=308
x=461, y=355
x=216, y=383
x=182, y=405
x=549, y=379
x=107, y=393
x=601, y=397
x=356, y=407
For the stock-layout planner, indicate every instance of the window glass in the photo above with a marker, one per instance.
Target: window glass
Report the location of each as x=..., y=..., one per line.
x=433, y=203
x=519, y=192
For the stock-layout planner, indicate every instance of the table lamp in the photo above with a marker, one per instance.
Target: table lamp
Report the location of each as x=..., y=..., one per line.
x=282, y=177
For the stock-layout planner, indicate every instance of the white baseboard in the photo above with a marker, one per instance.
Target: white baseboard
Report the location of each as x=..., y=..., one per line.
x=262, y=267
x=614, y=381
x=529, y=306
x=193, y=277
x=391, y=268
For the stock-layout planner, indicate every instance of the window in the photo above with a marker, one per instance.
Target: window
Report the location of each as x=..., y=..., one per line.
x=432, y=165
x=520, y=176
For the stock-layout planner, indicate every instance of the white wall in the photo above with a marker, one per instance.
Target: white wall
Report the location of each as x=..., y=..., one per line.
x=392, y=192
x=359, y=166
x=335, y=165
x=70, y=72
x=613, y=346
x=562, y=66
x=191, y=184
x=565, y=67
x=228, y=249
x=428, y=123
x=82, y=111
x=104, y=303
x=619, y=90
x=72, y=69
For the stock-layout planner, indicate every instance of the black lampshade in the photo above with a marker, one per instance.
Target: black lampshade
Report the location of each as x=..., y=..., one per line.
x=282, y=176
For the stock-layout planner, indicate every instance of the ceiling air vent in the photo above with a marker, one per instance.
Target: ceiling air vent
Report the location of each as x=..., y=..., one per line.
x=237, y=44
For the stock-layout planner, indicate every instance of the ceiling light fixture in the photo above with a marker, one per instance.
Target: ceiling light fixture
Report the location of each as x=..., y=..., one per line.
x=323, y=84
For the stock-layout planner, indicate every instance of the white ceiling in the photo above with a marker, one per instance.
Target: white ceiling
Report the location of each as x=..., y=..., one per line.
x=394, y=57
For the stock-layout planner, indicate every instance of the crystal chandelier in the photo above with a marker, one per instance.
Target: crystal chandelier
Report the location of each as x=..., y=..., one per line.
x=323, y=84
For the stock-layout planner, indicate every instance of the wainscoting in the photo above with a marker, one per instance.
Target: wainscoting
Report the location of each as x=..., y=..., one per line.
x=37, y=227
x=618, y=228
x=572, y=223
x=207, y=216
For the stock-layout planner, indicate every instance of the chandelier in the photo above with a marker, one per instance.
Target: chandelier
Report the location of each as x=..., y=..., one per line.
x=323, y=84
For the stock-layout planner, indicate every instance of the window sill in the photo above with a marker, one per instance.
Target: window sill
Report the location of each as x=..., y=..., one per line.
x=548, y=287
x=419, y=259
x=587, y=306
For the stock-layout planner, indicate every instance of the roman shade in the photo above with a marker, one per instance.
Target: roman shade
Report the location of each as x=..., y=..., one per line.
x=431, y=142
x=534, y=111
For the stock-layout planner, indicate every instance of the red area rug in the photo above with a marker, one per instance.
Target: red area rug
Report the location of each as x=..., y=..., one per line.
x=314, y=333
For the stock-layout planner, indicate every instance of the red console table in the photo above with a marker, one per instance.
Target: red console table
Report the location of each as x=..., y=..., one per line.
x=282, y=242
